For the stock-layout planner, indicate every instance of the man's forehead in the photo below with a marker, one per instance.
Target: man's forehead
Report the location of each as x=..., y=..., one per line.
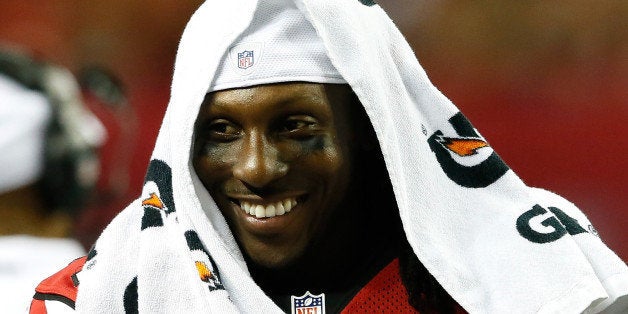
x=281, y=93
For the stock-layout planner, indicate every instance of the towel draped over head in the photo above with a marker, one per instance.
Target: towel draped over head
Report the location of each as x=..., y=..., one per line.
x=492, y=242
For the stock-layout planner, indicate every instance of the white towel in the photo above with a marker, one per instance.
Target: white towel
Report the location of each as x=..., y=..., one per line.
x=493, y=243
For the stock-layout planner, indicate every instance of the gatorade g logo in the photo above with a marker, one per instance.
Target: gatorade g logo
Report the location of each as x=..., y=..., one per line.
x=530, y=225
x=205, y=265
x=160, y=173
x=458, y=155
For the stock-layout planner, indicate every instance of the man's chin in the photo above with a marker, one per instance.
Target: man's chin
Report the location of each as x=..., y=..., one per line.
x=274, y=260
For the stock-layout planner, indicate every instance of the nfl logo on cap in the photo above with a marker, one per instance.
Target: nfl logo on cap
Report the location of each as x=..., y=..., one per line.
x=245, y=59
x=308, y=304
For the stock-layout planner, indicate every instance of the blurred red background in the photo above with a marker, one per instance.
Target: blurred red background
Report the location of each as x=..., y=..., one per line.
x=544, y=82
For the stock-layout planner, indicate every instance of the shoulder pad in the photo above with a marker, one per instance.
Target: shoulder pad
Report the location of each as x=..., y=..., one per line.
x=61, y=287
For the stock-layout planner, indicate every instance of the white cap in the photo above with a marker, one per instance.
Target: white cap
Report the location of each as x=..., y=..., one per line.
x=280, y=45
x=24, y=116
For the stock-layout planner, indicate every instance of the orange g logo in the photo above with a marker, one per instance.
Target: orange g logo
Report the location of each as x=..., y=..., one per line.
x=466, y=143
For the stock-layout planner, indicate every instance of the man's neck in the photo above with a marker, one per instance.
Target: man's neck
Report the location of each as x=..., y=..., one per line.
x=348, y=251
x=338, y=265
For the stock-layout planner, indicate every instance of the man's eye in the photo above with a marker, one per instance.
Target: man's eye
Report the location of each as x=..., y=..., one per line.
x=294, y=125
x=222, y=130
x=299, y=124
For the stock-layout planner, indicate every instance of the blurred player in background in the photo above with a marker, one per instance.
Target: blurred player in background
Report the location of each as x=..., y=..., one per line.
x=50, y=166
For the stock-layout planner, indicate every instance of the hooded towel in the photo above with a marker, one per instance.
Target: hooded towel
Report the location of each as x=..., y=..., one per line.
x=495, y=244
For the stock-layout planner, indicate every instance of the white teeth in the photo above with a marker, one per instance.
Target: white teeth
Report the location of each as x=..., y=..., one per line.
x=280, y=209
x=287, y=205
x=247, y=207
x=270, y=210
x=260, y=211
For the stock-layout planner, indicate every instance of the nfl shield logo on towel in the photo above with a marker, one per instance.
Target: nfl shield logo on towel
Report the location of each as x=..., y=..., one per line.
x=245, y=59
x=308, y=304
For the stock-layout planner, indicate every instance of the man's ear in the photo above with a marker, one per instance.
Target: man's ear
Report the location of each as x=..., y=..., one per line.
x=357, y=124
x=366, y=138
x=364, y=134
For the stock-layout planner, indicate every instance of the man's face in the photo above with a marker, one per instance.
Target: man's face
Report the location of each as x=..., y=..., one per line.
x=276, y=160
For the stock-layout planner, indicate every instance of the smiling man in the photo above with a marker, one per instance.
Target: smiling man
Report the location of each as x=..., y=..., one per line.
x=266, y=150
x=294, y=170
x=305, y=165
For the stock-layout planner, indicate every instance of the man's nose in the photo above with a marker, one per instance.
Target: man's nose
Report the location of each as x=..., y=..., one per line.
x=258, y=163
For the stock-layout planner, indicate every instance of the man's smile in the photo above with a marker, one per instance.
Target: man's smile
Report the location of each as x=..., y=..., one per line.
x=266, y=207
x=260, y=210
x=267, y=216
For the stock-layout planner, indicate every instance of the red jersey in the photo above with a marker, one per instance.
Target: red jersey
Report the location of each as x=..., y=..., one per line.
x=385, y=293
